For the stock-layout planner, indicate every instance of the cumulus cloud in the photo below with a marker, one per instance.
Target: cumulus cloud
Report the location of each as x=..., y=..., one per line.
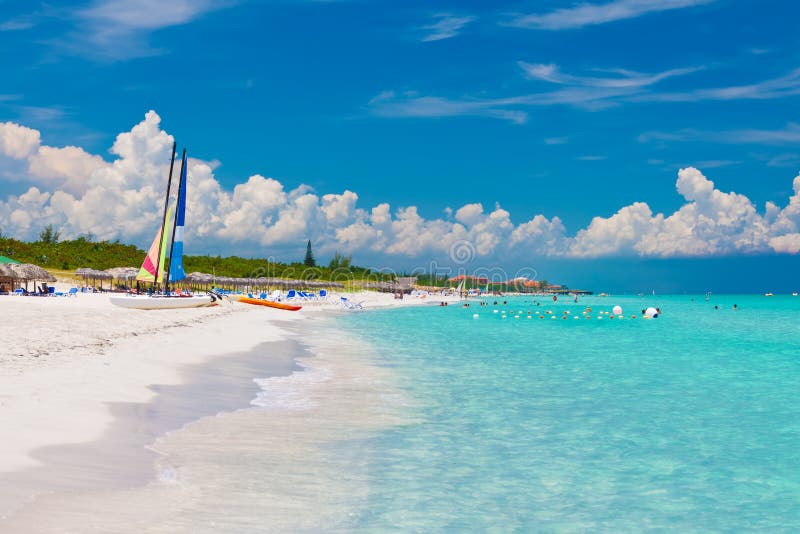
x=711, y=222
x=83, y=193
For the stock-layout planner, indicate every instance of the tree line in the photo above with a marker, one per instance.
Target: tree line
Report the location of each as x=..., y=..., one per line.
x=49, y=251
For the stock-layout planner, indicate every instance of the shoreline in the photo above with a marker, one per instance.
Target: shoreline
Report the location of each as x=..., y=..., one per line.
x=125, y=456
x=97, y=419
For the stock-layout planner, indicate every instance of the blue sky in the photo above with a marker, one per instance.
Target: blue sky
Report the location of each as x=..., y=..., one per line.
x=571, y=111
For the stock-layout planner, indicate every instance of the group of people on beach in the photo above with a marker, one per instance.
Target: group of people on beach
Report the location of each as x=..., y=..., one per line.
x=38, y=291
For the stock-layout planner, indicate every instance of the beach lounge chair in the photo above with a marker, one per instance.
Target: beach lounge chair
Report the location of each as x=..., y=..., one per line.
x=19, y=291
x=73, y=292
x=263, y=296
x=351, y=305
x=323, y=295
x=291, y=295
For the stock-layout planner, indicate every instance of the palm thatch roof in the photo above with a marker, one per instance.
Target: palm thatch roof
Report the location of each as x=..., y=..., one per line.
x=7, y=272
x=199, y=278
x=122, y=273
x=29, y=271
x=88, y=272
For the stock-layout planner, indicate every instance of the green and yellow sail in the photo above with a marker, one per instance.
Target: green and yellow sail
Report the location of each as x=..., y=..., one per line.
x=149, y=272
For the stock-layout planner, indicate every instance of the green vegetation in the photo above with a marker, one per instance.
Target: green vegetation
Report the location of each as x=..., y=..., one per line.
x=69, y=255
x=309, y=261
x=340, y=261
x=49, y=235
x=431, y=280
x=84, y=251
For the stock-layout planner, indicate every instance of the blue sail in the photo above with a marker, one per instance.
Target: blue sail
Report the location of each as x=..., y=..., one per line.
x=176, y=271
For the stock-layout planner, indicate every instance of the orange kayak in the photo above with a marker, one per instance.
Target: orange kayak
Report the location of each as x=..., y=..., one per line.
x=270, y=303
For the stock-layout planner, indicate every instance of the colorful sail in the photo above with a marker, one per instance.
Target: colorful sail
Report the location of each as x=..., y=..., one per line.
x=176, y=271
x=153, y=265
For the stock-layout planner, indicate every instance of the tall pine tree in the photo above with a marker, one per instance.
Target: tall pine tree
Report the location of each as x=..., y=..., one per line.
x=309, y=261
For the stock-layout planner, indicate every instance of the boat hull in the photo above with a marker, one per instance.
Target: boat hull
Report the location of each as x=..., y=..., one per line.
x=269, y=303
x=144, y=302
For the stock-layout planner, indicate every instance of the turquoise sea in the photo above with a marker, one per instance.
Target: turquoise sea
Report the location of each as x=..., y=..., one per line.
x=688, y=422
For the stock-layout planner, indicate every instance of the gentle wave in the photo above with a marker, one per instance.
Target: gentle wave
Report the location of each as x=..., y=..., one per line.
x=291, y=392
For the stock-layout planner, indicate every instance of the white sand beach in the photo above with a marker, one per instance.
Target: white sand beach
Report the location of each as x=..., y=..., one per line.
x=89, y=390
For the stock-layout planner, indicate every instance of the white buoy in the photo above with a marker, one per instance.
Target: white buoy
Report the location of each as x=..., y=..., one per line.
x=475, y=315
x=617, y=310
x=496, y=311
x=650, y=313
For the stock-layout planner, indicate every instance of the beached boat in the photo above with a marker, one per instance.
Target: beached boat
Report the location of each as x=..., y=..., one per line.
x=162, y=302
x=159, y=269
x=269, y=303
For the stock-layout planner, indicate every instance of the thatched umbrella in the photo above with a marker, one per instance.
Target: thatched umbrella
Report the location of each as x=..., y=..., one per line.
x=197, y=278
x=122, y=273
x=30, y=272
x=6, y=271
x=7, y=276
x=88, y=273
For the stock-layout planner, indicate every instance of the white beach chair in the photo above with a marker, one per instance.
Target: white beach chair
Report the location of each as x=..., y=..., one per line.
x=351, y=305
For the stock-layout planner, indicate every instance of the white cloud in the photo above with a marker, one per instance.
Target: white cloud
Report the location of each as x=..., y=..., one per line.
x=782, y=86
x=711, y=222
x=585, y=14
x=788, y=135
x=17, y=142
x=445, y=27
x=120, y=29
x=592, y=93
x=67, y=168
x=556, y=140
x=789, y=243
x=618, y=233
x=621, y=78
x=391, y=105
x=82, y=193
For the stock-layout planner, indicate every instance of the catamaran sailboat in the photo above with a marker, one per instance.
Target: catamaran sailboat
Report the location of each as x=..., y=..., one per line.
x=157, y=268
